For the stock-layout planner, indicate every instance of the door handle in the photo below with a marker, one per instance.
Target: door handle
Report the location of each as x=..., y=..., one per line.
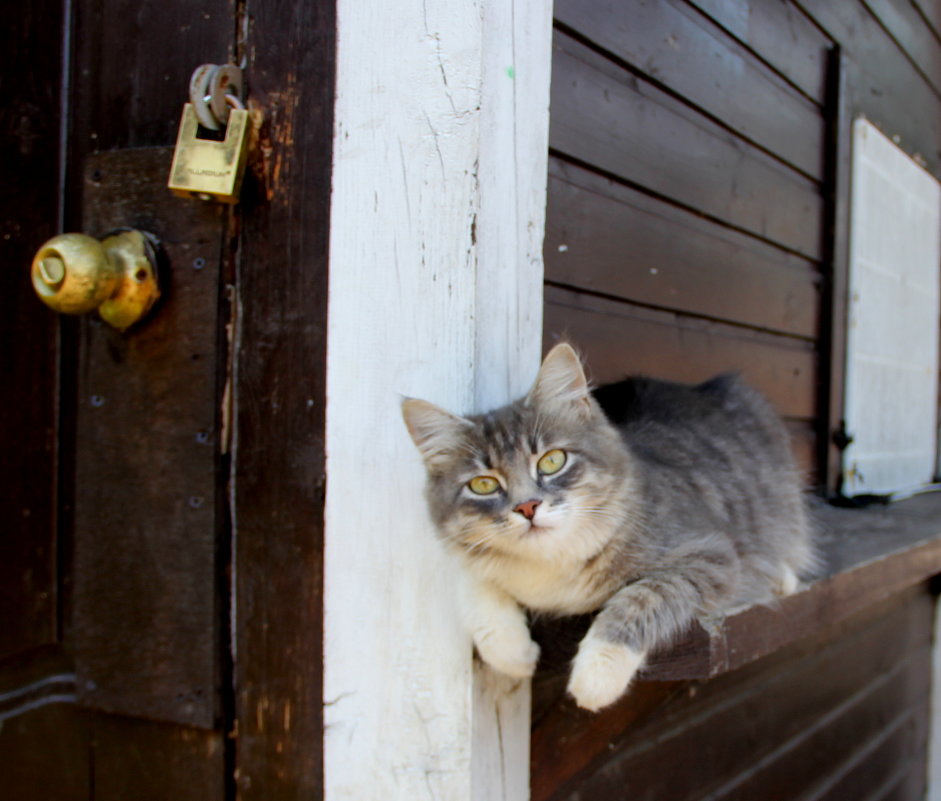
x=117, y=275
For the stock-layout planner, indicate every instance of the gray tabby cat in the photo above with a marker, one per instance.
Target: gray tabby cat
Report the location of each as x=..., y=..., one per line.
x=672, y=503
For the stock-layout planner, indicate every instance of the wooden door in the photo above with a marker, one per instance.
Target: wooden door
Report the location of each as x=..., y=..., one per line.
x=161, y=519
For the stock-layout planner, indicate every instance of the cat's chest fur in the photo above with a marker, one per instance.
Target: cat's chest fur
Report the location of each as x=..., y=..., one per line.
x=561, y=589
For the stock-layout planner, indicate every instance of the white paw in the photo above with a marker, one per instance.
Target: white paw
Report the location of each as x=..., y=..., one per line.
x=601, y=672
x=787, y=582
x=508, y=649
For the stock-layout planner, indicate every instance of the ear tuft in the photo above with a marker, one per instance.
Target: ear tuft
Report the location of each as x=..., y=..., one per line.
x=434, y=430
x=561, y=379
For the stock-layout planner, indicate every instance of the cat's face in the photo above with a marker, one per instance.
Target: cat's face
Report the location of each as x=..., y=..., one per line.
x=541, y=478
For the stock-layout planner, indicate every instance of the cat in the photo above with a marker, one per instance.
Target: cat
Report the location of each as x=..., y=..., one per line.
x=652, y=502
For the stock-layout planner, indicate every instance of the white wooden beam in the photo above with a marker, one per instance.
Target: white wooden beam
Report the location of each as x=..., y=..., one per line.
x=436, y=292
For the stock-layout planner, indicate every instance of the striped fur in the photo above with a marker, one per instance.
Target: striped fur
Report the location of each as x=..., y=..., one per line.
x=673, y=502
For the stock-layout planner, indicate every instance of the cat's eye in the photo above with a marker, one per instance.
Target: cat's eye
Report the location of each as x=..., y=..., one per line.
x=551, y=462
x=483, y=485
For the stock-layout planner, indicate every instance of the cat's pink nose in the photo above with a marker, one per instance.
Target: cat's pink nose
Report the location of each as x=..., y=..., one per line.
x=527, y=508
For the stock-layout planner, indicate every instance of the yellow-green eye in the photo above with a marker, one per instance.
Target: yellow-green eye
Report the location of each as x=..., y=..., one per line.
x=551, y=462
x=483, y=485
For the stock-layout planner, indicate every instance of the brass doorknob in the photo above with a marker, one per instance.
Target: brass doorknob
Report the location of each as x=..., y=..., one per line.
x=76, y=274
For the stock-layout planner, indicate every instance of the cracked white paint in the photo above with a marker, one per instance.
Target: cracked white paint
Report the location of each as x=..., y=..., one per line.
x=437, y=217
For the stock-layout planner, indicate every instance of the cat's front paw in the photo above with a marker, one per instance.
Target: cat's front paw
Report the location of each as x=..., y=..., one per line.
x=601, y=672
x=508, y=650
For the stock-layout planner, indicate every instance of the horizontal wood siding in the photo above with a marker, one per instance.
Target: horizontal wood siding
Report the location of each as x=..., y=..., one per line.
x=689, y=56
x=894, y=69
x=696, y=206
x=627, y=338
x=779, y=34
x=609, y=238
x=817, y=721
x=607, y=117
x=685, y=226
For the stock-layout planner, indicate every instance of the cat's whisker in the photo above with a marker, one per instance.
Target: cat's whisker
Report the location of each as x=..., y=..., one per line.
x=683, y=502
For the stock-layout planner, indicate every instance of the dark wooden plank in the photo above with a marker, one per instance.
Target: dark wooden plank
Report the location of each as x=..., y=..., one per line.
x=930, y=12
x=781, y=35
x=619, y=339
x=723, y=727
x=625, y=127
x=150, y=761
x=884, y=709
x=689, y=54
x=604, y=237
x=566, y=740
x=29, y=143
x=884, y=84
x=807, y=701
x=44, y=755
x=280, y=390
x=895, y=757
x=134, y=64
x=907, y=28
x=146, y=627
x=909, y=783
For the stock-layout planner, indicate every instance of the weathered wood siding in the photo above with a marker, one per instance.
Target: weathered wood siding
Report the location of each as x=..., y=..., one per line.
x=697, y=222
x=686, y=206
x=691, y=183
x=841, y=716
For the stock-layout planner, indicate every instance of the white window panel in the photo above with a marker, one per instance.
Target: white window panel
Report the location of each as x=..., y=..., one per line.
x=893, y=316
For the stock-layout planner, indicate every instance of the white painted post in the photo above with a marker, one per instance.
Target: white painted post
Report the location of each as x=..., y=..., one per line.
x=436, y=292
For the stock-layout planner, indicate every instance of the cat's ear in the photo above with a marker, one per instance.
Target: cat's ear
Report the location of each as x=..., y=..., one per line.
x=434, y=431
x=561, y=379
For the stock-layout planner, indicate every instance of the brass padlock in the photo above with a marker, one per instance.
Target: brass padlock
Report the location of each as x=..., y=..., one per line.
x=207, y=168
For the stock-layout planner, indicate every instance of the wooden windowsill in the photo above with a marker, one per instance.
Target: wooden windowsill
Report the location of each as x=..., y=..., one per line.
x=871, y=554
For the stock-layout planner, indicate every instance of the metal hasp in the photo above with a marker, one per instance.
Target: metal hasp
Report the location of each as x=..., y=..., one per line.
x=206, y=168
x=77, y=274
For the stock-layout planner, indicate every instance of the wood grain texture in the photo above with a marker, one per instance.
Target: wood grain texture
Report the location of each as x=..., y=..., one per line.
x=278, y=439
x=805, y=720
x=29, y=143
x=508, y=229
x=44, y=755
x=824, y=698
x=685, y=52
x=435, y=292
x=930, y=12
x=622, y=125
x=779, y=34
x=882, y=726
x=621, y=339
x=152, y=761
x=609, y=239
x=906, y=26
x=884, y=85
x=134, y=63
x=145, y=626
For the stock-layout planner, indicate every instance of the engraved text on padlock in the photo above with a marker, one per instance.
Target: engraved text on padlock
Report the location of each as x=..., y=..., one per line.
x=206, y=168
